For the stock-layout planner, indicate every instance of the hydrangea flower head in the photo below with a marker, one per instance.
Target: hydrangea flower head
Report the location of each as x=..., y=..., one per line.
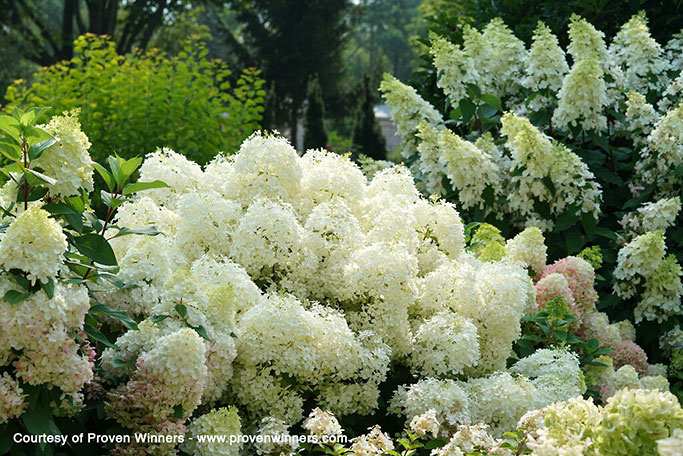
x=455, y=68
x=585, y=39
x=663, y=290
x=425, y=423
x=407, y=110
x=546, y=65
x=644, y=415
x=67, y=161
x=583, y=97
x=638, y=56
x=12, y=398
x=34, y=243
x=529, y=248
x=320, y=423
x=223, y=421
x=580, y=278
x=374, y=443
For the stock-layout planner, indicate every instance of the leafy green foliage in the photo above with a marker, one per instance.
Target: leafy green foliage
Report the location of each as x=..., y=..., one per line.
x=135, y=103
x=554, y=326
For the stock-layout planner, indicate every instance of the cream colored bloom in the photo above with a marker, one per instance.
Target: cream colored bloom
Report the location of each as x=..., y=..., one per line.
x=34, y=243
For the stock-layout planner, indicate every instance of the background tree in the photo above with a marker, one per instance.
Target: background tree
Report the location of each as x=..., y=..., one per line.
x=47, y=29
x=367, y=136
x=381, y=37
x=290, y=39
x=315, y=135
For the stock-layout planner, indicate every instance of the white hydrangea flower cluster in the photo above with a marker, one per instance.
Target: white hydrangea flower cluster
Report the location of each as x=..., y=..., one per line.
x=498, y=400
x=275, y=437
x=38, y=328
x=223, y=421
x=470, y=169
x=661, y=214
x=671, y=446
x=493, y=59
x=407, y=110
x=644, y=259
x=583, y=96
x=610, y=381
x=546, y=67
x=535, y=158
x=167, y=381
x=472, y=439
x=554, y=372
x=663, y=290
x=321, y=423
x=67, y=161
x=374, y=443
x=638, y=56
x=326, y=355
x=443, y=345
x=34, y=243
x=12, y=399
x=175, y=170
x=447, y=398
x=580, y=427
x=477, y=291
x=673, y=51
x=455, y=69
x=585, y=39
x=652, y=216
x=426, y=423
x=640, y=117
x=664, y=154
x=498, y=56
x=670, y=96
x=529, y=248
x=564, y=427
x=177, y=361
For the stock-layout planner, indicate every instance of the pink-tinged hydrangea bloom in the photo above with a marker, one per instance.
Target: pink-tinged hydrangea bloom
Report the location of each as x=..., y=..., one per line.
x=596, y=325
x=580, y=277
x=12, y=403
x=552, y=286
x=172, y=374
x=628, y=352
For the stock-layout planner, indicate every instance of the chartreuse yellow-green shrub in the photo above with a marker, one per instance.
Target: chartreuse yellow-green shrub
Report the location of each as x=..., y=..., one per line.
x=135, y=103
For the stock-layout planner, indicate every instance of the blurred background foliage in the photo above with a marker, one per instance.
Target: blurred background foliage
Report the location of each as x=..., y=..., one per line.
x=135, y=103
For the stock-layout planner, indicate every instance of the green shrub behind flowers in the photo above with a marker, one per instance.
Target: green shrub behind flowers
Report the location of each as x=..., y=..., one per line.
x=134, y=103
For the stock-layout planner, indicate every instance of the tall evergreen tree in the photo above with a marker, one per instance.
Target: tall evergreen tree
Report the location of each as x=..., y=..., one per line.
x=292, y=40
x=315, y=135
x=367, y=135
